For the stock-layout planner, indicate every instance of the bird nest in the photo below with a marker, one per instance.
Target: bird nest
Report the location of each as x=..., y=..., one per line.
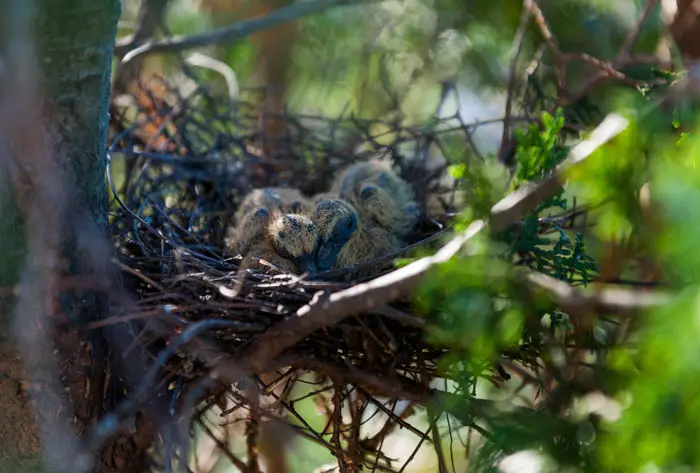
x=180, y=165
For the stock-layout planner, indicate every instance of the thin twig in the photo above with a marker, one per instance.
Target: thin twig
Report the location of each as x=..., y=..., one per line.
x=236, y=31
x=626, y=49
x=518, y=42
x=603, y=300
x=559, y=60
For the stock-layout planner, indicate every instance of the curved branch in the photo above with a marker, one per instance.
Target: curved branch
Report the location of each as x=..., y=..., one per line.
x=232, y=32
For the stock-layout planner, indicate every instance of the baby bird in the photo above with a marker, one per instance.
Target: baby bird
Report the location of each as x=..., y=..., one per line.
x=288, y=241
x=345, y=240
x=272, y=224
x=369, y=242
x=250, y=228
x=336, y=221
x=379, y=195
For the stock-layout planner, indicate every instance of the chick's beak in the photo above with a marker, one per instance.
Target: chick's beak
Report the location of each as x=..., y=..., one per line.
x=307, y=264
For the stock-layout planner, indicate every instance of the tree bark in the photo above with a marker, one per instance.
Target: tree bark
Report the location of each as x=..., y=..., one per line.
x=54, y=94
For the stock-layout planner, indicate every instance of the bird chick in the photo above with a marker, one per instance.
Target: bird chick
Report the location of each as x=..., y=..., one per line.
x=368, y=243
x=346, y=240
x=250, y=228
x=275, y=199
x=379, y=195
x=264, y=251
x=286, y=240
x=336, y=221
x=295, y=238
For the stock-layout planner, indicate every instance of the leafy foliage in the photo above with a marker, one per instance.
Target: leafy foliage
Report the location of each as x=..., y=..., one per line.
x=538, y=152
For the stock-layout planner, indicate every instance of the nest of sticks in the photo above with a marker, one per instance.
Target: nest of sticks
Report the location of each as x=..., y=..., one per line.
x=180, y=165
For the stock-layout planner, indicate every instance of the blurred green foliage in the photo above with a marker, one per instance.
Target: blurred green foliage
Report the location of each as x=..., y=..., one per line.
x=647, y=413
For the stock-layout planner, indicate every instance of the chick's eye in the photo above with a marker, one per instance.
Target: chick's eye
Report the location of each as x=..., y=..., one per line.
x=261, y=212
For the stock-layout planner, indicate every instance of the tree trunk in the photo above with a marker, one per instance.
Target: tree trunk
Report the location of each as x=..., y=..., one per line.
x=54, y=94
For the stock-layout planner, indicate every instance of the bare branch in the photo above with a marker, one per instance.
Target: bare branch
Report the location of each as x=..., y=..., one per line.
x=236, y=31
x=550, y=40
x=626, y=49
x=606, y=69
x=150, y=17
x=604, y=300
x=518, y=42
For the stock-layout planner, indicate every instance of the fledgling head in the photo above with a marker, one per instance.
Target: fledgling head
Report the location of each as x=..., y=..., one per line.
x=288, y=199
x=250, y=228
x=336, y=221
x=380, y=207
x=295, y=237
x=398, y=216
x=353, y=177
x=380, y=195
x=275, y=199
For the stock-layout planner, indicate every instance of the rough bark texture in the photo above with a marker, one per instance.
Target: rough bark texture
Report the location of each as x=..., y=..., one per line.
x=74, y=43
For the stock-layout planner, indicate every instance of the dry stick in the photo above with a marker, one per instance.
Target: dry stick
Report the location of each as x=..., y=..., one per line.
x=325, y=310
x=235, y=461
x=626, y=49
x=518, y=42
x=237, y=30
x=608, y=300
x=607, y=69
